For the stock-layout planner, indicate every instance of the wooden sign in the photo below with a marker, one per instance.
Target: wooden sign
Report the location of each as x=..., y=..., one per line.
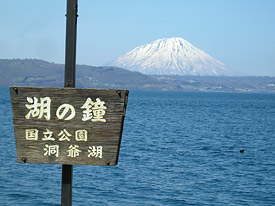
x=67, y=125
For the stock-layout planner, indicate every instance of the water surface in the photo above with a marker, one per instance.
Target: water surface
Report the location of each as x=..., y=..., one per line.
x=178, y=148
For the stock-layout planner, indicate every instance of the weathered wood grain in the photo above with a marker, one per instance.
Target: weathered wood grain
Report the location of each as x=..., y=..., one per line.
x=99, y=134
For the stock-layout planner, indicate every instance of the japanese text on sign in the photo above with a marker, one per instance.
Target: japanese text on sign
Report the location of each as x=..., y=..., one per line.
x=71, y=126
x=93, y=111
x=72, y=151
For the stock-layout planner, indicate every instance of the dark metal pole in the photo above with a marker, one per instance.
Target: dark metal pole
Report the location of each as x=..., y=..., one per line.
x=70, y=43
x=67, y=181
x=69, y=81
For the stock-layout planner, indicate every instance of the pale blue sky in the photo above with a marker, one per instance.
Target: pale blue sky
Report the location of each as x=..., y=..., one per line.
x=239, y=33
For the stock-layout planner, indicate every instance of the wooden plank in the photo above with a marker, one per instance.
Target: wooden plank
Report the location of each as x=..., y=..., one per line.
x=67, y=125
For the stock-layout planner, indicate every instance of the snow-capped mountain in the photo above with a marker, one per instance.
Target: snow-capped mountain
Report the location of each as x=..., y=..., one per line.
x=172, y=56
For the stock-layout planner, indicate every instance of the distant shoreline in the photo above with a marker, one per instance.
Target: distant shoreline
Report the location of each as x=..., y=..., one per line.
x=34, y=72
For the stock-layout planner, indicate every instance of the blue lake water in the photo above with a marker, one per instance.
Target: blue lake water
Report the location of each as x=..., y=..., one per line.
x=178, y=148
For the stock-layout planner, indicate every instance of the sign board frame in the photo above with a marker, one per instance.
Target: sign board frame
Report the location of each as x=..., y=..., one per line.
x=36, y=132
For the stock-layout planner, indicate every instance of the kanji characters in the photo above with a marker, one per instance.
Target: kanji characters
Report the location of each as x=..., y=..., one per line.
x=94, y=111
x=51, y=150
x=64, y=135
x=41, y=108
x=31, y=134
x=81, y=135
x=37, y=109
x=99, y=111
x=87, y=113
x=95, y=151
x=48, y=135
x=73, y=151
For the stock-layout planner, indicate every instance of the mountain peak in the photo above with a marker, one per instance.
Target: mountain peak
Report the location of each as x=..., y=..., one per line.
x=172, y=56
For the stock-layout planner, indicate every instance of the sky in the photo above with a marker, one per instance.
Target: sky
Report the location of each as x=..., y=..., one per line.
x=240, y=34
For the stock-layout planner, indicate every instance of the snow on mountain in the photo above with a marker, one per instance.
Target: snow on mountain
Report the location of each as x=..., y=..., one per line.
x=172, y=56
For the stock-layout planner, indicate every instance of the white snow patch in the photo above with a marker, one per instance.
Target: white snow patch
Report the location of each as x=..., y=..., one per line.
x=172, y=56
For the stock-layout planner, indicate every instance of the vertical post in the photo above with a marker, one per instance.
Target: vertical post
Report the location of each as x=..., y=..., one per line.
x=67, y=181
x=70, y=43
x=69, y=81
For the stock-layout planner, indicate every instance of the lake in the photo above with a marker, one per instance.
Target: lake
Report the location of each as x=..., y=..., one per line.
x=178, y=148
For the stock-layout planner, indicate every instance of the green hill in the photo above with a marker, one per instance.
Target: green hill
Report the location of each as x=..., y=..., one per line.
x=33, y=72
